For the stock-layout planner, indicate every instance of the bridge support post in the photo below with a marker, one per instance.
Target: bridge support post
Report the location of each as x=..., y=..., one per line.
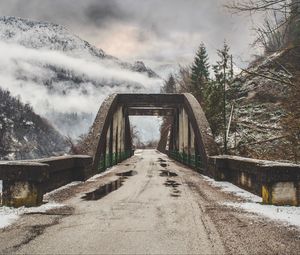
x=281, y=193
x=185, y=136
x=21, y=193
x=115, y=138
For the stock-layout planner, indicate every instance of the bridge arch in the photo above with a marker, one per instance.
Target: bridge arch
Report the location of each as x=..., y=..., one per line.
x=189, y=138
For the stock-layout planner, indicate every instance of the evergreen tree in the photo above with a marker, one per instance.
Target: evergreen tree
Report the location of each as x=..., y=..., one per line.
x=200, y=74
x=223, y=74
x=214, y=107
x=169, y=85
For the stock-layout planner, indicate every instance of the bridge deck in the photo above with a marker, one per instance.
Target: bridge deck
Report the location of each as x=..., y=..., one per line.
x=162, y=207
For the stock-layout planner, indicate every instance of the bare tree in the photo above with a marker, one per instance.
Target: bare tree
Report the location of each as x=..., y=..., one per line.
x=280, y=27
x=283, y=6
x=184, y=80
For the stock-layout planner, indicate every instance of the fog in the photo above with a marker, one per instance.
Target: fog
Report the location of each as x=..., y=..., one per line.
x=26, y=72
x=147, y=127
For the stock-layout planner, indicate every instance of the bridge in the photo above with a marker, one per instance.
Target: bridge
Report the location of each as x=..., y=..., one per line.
x=189, y=139
x=126, y=201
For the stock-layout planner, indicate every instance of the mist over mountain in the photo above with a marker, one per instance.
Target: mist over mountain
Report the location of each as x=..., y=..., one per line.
x=63, y=77
x=24, y=134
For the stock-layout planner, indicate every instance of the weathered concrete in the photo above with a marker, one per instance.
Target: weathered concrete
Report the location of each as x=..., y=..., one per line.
x=151, y=111
x=21, y=170
x=22, y=182
x=25, y=182
x=277, y=183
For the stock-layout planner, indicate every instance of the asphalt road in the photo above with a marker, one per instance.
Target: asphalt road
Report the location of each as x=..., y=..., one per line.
x=161, y=208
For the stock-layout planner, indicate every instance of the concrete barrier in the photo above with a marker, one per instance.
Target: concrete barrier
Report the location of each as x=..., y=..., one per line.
x=277, y=183
x=25, y=182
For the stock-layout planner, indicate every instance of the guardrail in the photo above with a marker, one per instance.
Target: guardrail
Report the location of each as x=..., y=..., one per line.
x=25, y=182
x=194, y=161
x=111, y=159
x=277, y=183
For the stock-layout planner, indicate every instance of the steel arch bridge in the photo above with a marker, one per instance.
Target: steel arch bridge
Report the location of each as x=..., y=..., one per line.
x=188, y=140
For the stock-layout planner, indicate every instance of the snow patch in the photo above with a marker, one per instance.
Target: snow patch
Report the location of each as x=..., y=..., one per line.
x=61, y=188
x=93, y=178
x=286, y=214
x=9, y=215
x=231, y=188
x=138, y=152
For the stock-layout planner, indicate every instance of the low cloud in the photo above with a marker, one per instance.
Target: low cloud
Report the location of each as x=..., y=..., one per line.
x=26, y=73
x=163, y=32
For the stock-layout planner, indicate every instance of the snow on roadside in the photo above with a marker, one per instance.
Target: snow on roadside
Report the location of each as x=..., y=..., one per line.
x=61, y=188
x=231, y=188
x=138, y=152
x=9, y=215
x=286, y=214
x=94, y=177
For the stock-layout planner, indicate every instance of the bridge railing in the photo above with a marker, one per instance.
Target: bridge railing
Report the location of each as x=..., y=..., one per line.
x=194, y=161
x=277, y=183
x=111, y=159
x=25, y=182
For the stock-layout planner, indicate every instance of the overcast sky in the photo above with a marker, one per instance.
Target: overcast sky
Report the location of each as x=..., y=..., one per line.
x=159, y=32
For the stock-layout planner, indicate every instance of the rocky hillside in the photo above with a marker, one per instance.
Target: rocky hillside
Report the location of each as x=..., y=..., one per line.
x=259, y=94
x=24, y=134
x=64, y=78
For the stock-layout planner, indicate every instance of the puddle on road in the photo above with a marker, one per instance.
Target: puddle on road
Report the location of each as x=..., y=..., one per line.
x=127, y=174
x=171, y=183
x=161, y=160
x=167, y=173
x=105, y=189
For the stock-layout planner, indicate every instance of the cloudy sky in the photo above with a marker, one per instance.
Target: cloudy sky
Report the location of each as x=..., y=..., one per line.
x=162, y=33
x=159, y=32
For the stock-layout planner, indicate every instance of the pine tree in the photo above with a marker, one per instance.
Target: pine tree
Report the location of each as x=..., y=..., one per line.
x=169, y=85
x=224, y=73
x=200, y=74
x=214, y=106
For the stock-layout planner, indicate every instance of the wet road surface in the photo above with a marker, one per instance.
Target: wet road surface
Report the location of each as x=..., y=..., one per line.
x=149, y=205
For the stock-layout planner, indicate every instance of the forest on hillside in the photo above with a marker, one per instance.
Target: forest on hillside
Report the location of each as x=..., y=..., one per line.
x=254, y=112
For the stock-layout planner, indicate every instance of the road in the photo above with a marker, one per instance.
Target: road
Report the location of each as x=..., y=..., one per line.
x=161, y=207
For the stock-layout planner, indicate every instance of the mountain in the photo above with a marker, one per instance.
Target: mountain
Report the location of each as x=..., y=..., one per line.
x=262, y=97
x=44, y=35
x=24, y=134
x=63, y=77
